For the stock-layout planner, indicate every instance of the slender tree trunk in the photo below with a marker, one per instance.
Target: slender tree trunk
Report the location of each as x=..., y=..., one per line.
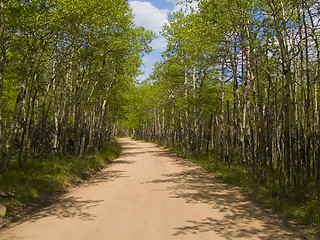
x=2, y=68
x=307, y=104
x=247, y=83
x=288, y=93
x=224, y=122
x=316, y=125
x=209, y=135
x=232, y=49
x=185, y=133
x=15, y=121
x=64, y=109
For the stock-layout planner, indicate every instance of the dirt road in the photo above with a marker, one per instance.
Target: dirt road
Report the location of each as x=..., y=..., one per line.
x=148, y=194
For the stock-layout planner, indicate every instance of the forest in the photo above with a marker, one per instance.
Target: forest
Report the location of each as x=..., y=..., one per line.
x=66, y=69
x=239, y=81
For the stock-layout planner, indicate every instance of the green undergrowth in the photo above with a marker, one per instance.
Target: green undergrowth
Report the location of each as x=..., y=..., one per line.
x=303, y=209
x=46, y=177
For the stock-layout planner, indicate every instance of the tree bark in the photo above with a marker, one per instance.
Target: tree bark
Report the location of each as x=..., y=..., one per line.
x=2, y=68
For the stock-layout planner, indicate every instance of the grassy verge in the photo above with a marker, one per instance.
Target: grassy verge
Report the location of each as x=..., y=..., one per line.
x=43, y=179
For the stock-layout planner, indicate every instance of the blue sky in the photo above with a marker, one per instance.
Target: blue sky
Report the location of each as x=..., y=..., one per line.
x=161, y=4
x=152, y=15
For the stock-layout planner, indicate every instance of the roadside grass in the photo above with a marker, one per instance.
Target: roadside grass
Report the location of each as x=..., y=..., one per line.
x=44, y=178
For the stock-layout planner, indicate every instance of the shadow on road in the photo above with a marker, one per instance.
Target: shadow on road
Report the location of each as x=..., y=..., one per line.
x=234, y=214
x=107, y=176
x=70, y=207
x=132, y=149
x=138, y=153
x=238, y=215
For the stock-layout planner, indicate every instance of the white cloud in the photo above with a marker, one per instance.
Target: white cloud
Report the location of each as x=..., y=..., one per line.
x=149, y=16
x=148, y=62
x=159, y=43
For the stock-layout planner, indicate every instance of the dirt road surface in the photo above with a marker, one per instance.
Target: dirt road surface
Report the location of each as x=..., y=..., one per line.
x=149, y=194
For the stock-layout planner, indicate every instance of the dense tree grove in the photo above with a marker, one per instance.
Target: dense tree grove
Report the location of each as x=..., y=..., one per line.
x=240, y=80
x=65, y=70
